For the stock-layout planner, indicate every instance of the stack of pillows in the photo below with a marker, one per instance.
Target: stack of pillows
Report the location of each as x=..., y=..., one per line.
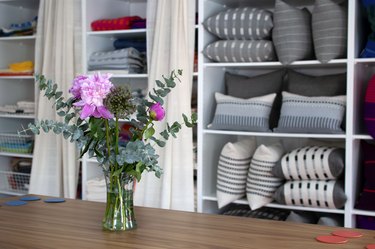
x=300, y=104
x=259, y=173
x=244, y=33
x=296, y=33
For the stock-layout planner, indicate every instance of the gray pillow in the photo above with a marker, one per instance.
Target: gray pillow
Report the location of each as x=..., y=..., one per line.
x=300, y=114
x=312, y=193
x=292, y=33
x=240, y=51
x=331, y=220
x=309, y=85
x=311, y=163
x=241, y=24
x=247, y=87
x=302, y=217
x=329, y=29
x=242, y=114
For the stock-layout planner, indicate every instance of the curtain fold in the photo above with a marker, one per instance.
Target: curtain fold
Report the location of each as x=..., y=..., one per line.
x=55, y=165
x=170, y=46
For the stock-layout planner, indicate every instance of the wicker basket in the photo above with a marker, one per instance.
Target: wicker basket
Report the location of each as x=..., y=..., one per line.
x=14, y=143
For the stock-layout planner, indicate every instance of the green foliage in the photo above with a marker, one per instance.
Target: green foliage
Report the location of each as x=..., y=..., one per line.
x=99, y=137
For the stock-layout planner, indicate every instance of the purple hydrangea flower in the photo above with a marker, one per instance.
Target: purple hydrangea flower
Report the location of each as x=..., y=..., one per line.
x=92, y=92
x=157, y=112
x=75, y=90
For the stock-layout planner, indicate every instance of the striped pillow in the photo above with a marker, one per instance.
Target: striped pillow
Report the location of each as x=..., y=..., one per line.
x=261, y=184
x=311, y=163
x=292, y=33
x=300, y=114
x=242, y=114
x=241, y=24
x=329, y=29
x=240, y=51
x=312, y=193
x=234, y=162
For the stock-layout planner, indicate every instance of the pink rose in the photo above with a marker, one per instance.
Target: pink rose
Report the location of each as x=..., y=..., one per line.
x=157, y=112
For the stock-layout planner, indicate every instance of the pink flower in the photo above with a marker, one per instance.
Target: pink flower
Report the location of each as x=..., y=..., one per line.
x=157, y=112
x=93, y=89
x=75, y=90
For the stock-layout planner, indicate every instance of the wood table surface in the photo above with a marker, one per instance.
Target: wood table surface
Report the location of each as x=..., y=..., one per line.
x=77, y=224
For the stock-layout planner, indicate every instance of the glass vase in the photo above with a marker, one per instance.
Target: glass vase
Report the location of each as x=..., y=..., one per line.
x=119, y=212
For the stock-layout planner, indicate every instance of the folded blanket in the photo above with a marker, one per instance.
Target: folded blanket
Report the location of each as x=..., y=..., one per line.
x=127, y=68
x=139, y=44
x=138, y=24
x=114, y=24
x=15, y=29
x=119, y=53
x=125, y=61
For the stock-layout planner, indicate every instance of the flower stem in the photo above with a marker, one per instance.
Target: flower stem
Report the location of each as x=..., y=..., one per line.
x=107, y=138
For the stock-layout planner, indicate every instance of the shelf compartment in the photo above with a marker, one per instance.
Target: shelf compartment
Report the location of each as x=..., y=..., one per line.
x=14, y=182
x=13, y=143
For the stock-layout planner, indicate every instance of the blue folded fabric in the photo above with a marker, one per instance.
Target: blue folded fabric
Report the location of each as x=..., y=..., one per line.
x=139, y=44
x=369, y=50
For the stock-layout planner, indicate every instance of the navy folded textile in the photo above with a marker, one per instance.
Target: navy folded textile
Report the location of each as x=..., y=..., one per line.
x=139, y=44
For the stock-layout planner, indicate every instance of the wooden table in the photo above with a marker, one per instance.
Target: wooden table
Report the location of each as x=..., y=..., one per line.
x=77, y=224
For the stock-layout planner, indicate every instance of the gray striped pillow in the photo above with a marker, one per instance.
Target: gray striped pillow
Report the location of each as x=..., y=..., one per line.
x=301, y=114
x=292, y=33
x=240, y=51
x=242, y=114
x=329, y=29
x=261, y=184
x=234, y=162
x=241, y=24
x=311, y=163
x=312, y=193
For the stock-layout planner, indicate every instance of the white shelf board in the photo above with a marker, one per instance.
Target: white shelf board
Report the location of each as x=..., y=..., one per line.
x=270, y=64
x=18, y=38
x=7, y=192
x=18, y=77
x=130, y=76
x=128, y=33
x=363, y=137
x=273, y=134
x=16, y=155
x=15, y=116
x=275, y=205
x=363, y=212
x=364, y=60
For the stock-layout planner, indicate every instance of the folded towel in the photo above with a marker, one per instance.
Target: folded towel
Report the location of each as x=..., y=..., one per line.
x=138, y=24
x=139, y=44
x=114, y=24
x=119, y=53
x=126, y=61
x=21, y=66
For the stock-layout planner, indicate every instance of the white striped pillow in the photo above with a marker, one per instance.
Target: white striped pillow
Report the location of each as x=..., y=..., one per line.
x=261, y=184
x=233, y=165
x=312, y=193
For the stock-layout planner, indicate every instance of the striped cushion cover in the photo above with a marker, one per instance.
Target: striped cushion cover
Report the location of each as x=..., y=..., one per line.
x=242, y=114
x=292, y=33
x=234, y=162
x=240, y=51
x=312, y=193
x=300, y=114
x=311, y=163
x=241, y=24
x=329, y=29
x=261, y=184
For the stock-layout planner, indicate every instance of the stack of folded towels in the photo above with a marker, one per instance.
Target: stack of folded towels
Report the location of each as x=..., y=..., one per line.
x=19, y=29
x=23, y=68
x=126, y=22
x=22, y=107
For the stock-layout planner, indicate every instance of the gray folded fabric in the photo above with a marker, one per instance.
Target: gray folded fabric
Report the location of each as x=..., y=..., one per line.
x=119, y=53
x=115, y=61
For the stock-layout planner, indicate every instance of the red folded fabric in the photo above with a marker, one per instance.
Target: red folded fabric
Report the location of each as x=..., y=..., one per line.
x=114, y=24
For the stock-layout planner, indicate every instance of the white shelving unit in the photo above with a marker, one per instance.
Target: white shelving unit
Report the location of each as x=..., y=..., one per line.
x=211, y=79
x=15, y=88
x=94, y=41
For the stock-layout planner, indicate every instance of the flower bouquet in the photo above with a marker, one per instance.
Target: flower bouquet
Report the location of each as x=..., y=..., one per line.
x=91, y=118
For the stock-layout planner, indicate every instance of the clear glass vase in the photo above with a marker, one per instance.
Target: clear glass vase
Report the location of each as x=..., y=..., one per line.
x=119, y=212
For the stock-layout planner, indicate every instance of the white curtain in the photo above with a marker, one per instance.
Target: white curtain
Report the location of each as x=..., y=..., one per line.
x=55, y=170
x=170, y=46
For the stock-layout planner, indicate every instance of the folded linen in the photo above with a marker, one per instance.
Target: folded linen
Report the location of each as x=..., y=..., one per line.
x=125, y=61
x=114, y=24
x=139, y=44
x=118, y=53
